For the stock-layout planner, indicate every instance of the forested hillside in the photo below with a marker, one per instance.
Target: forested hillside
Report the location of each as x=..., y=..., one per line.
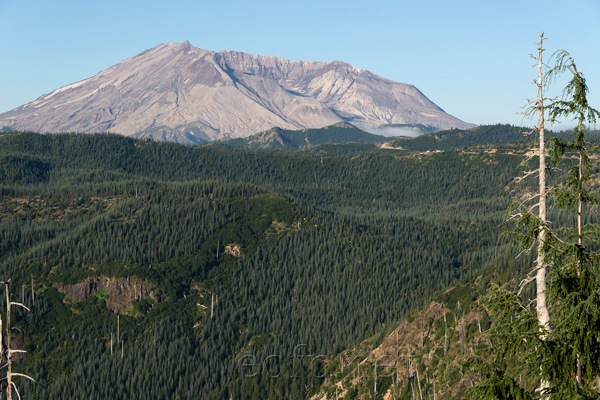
x=499, y=135
x=297, y=139
x=155, y=270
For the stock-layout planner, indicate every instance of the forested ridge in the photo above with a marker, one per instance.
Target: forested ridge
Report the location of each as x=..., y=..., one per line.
x=258, y=266
x=284, y=138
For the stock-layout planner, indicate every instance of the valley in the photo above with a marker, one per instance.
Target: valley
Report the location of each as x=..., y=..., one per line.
x=247, y=273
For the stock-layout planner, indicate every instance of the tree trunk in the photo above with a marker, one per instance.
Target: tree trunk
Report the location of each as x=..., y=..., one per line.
x=8, y=354
x=445, y=334
x=578, y=372
x=541, y=307
x=543, y=316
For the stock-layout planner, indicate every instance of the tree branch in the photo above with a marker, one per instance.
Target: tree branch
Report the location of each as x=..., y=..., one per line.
x=13, y=303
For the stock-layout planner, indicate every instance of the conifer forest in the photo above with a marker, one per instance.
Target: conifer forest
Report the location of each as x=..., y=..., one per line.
x=156, y=270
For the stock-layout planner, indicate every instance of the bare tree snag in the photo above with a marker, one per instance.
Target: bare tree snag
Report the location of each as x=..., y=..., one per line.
x=541, y=306
x=419, y=383
x=9, y=351
x=445, y=334
x=375, y=380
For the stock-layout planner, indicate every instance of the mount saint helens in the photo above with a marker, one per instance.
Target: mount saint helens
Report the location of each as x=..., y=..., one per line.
x=178, y=92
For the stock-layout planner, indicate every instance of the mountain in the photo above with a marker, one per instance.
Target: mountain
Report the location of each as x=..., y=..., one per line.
x=339, y=133
x=178, y=92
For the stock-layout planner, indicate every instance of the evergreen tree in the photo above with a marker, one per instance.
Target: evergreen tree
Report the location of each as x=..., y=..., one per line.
x=556, y=359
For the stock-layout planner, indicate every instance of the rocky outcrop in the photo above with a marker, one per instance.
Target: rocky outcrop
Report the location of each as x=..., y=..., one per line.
x=178, y=92
x=234, y=250
x=120, y=292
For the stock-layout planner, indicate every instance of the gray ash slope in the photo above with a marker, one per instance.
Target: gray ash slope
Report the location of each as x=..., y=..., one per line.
x=178, y=92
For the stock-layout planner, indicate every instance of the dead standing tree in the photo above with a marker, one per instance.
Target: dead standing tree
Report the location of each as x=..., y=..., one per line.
x=8, y=352
x=541, y=307
x=536, y=225
x=538, y=106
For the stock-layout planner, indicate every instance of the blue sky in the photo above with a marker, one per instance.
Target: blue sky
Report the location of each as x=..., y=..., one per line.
x=469, y=57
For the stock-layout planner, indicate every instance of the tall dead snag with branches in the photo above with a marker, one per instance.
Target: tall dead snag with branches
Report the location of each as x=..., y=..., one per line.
x=540, y=279
x=536, y=226
x=543, y=315
x=8, y=352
